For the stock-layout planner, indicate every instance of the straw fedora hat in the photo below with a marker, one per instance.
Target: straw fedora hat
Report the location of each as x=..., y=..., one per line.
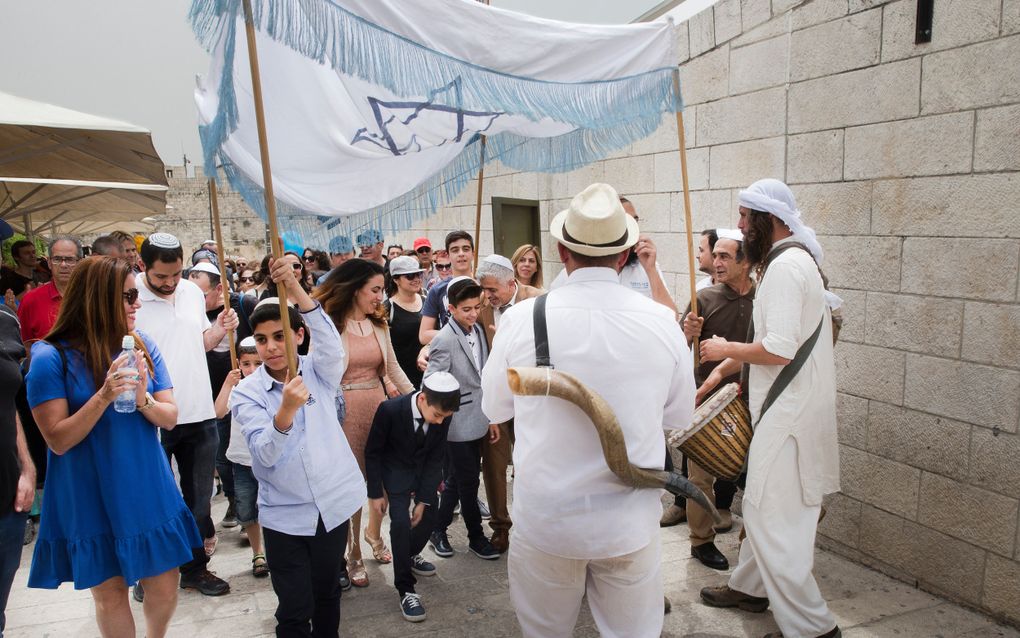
x=595, y=224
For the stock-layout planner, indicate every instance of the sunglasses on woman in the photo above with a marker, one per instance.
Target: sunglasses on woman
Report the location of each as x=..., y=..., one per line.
x=130, y=296
x=444, y=266
x=296, y=266
x=247, y=280
x=309, y=258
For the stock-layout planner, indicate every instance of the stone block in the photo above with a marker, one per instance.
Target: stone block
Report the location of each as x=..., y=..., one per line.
x=993, y=462
x=911, y=547
x=682, y=39
x=566, y=185
x=702, y=32
x=842, y=521
x=671, y=253
x=986, y=74
x=841, y=45
x=818, y=11
x=978, y=394
x=776, y=26
x=972, y=205
x=705, y=77
x=664, y=138
x=753, y=13
x=929, y=325
x=992, y=335
x=997, y=140
x=959, y=267
x=1010, y=16
x=866, y=263
x=918, y=439
x=667, y=175
x=841, y=208
x=1002, y=588
x=653, y=211
x=727, y=20
x=954, y=24
x=862, y=5
x=709, y=209
x=867, y=371
x=782, y=6
x=738, y=165
x=937, y=145
x=814, y=157
x=759, y=65
x=878, y=481
x=969, y=513
x=853, y=309
x=524, y=185
x=852, y=420
x=876, y=94
x=742, y=117
x=631, y=174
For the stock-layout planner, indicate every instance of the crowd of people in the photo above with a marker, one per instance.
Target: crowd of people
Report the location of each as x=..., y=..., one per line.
x=381, y=383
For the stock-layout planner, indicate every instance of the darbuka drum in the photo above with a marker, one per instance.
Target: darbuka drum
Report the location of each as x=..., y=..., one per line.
x=720, y=435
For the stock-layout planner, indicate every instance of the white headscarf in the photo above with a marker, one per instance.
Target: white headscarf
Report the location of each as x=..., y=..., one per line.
x=772, y=196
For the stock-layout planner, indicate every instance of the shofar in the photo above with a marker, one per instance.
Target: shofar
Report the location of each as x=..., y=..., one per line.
x=549, y=382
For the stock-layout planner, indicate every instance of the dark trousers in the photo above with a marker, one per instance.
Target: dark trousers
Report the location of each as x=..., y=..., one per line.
x=407, y=542
x=194, y=447
x=224, y=467
x=305, y=571
x=464, y=464
x=12, y=535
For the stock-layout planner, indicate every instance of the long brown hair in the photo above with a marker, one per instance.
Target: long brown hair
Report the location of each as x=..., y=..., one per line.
x=337, y=292
x=536, y=279
x=758, y=240
x=92, y=319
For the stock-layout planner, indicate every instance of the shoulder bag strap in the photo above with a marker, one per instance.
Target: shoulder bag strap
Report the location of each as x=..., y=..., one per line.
x=790, y=370
x=541, y=333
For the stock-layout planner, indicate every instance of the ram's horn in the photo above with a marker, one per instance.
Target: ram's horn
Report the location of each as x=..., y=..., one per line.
x=549, y=382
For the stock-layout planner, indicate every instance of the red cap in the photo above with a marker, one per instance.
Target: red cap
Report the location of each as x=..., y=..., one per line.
x=422, y=242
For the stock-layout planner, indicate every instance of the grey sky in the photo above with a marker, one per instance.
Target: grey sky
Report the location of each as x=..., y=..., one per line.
x=136, y=60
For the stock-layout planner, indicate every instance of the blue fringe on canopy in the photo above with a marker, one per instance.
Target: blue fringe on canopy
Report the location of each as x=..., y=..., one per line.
x=609, y=114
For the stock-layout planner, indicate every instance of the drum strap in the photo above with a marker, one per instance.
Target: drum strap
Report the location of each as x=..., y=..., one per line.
x=541, y=333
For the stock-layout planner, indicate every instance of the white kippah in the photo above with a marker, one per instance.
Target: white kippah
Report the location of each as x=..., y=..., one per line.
x=441, y=382
x=164, y=240
x=206, y=268
x=729, y=233
x=275, y=301
x=248, y=342
x=499, y=260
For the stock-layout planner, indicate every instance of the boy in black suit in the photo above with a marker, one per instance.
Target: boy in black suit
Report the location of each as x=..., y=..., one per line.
x=404, y=464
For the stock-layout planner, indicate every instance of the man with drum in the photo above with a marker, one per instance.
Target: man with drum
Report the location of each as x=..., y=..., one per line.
x=726, y=312
x=579, y=530
x=794, y=458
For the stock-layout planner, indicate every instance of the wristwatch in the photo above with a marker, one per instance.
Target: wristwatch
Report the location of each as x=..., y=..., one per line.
x=149, y=402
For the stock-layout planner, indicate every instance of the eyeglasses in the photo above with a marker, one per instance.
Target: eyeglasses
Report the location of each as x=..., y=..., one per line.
x=444, y=266
x=413, y=275
x=130, y=296
x=245, y=280
x=70, y=261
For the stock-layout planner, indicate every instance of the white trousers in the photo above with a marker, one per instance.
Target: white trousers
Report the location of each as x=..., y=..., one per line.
x=778, y=554
x=624, y=592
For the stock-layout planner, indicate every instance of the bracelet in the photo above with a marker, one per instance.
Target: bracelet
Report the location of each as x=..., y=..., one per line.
x=149, y=402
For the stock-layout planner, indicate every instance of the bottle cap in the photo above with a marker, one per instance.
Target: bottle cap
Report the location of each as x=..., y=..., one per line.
x=128, y=342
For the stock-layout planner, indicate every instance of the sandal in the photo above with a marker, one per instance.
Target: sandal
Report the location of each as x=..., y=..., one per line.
x=357, y=572
x=379, y=550
x=259, y=567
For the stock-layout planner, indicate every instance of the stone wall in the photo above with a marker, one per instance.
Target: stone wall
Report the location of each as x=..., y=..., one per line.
x=905, y=159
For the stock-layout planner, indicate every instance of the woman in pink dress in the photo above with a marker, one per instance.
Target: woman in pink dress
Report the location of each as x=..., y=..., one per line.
x=352, y=295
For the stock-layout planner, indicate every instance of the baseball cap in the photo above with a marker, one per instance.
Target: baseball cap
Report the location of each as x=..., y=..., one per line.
x=422, y=242
x=404, y=265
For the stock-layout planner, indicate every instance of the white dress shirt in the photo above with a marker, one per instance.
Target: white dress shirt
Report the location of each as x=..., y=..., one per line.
x=310, y=471
x=631, y=351
x=787, y=306
x=177, y=325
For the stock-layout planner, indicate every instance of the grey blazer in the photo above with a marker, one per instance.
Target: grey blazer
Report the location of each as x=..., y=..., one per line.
x=450, y=352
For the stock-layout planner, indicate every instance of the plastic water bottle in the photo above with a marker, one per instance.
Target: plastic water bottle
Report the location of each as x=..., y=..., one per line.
x=125, y=401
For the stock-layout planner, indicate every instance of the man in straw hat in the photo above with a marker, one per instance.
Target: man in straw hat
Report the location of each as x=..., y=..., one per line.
x=578, y=529
x=794, y=459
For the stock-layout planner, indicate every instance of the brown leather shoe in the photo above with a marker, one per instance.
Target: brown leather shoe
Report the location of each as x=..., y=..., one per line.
x=673, y=516
x=725, y=597
x=500, y=540
x=726, y=524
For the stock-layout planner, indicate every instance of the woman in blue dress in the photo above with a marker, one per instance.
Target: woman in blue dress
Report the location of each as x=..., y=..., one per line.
x=112, y=515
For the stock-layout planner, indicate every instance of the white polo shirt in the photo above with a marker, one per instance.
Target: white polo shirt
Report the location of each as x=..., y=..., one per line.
x=177, y=326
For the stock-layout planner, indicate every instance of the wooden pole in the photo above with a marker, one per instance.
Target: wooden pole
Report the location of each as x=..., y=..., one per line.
x=267, y=183
x=214, y=207
x=687, y=211
x=478, y=203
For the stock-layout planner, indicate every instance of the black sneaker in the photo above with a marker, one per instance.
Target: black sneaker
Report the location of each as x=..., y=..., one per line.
x=138, y=593
x=411, y=609
x=230, y=518
x=482, y=548
x=440, y=544
x=484, y=510
x=422, y=567
x=345, y=581
x=206, y=582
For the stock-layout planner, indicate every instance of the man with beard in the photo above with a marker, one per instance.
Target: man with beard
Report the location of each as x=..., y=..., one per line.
x=173, y=314
x=706, y=244
x=794, y=458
